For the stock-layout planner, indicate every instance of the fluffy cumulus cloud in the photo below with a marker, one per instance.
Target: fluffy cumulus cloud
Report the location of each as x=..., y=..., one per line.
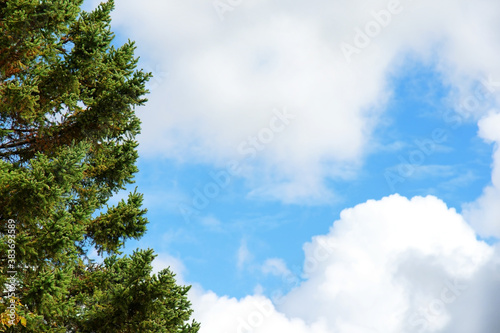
x=394, y=265
x=291, y=90
x=484, y=213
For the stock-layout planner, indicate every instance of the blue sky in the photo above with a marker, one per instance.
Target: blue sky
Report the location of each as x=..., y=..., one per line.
x=364, y=136
x=207, y=240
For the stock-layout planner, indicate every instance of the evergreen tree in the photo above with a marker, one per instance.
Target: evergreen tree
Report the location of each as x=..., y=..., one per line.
x=67, y=145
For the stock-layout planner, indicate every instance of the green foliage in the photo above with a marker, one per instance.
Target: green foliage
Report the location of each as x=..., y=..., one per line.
x=67, y=145
x=127, y=298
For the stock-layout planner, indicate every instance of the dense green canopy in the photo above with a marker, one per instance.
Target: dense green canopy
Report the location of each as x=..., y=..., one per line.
x=67, y=145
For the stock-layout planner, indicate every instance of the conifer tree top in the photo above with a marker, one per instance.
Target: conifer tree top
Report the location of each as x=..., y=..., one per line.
x=67, y=144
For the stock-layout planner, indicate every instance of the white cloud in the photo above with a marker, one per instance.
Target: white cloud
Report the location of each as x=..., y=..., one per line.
x=484, y=213
x=225, y=78
x=275, y=266
x=250, y=314
x=394, y=265
x=388, y=259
